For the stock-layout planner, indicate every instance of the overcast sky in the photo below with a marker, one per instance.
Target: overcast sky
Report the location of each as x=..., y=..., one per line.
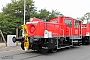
x=72, y=8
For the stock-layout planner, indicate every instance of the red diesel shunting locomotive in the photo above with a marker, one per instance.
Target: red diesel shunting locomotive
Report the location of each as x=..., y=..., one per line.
x=59, y=32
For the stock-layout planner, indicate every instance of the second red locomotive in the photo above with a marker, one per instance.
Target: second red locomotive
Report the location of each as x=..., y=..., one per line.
x=85, y=30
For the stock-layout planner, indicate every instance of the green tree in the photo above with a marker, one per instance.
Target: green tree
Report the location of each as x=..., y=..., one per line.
x=43, y=13
x=11, y=16
x=17, y=8
x=85, y=17
x=55, y=13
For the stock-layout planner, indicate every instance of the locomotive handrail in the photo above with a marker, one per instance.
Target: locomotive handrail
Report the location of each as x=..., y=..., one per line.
x=81, y=31
x=72, y=36
x=46, y=26
x=69, y=30
x=63, y=32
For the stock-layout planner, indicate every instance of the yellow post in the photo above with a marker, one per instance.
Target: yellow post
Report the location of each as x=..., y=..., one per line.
x=26, y=40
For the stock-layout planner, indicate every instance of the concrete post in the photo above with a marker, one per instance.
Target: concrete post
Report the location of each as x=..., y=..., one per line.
x=16, y=36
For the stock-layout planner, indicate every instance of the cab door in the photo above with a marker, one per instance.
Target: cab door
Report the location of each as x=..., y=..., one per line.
x=77, y=28
x=68, y=26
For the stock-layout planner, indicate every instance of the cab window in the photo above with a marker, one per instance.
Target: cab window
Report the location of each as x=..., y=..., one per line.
x=76, y=24
x=68, y=22
x=55, y=21
x=83, y=26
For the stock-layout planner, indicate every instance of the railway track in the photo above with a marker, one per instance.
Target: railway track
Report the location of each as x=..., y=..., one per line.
x=18, y=54
x=76, y=53
x=31, y=57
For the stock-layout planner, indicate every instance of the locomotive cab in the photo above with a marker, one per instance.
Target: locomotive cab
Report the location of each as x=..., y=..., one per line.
x=72, y=30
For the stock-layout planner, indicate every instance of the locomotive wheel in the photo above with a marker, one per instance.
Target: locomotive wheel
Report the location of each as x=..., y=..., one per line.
x=25, y=45
x=22, y=45
x=54, y=50
x=44, y=51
